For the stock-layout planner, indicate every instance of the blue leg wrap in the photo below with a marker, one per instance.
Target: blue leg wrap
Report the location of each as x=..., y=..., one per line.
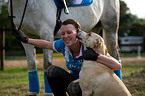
x=47, y=88
x=118, y=72
x=33, y=82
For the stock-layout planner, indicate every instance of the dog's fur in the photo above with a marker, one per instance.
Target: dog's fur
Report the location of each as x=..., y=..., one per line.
x=97, y=79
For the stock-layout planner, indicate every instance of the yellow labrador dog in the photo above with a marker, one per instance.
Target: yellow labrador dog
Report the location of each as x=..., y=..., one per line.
x=97, y=79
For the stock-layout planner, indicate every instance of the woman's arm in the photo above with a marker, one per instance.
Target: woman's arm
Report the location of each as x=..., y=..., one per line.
x=36, y=42
x=109, y=61
x=41, y=43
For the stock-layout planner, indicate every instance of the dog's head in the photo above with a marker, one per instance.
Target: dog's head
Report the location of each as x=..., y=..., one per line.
x=93, y=40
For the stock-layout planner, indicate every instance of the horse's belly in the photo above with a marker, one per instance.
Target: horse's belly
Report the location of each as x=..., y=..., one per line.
x=87, y=16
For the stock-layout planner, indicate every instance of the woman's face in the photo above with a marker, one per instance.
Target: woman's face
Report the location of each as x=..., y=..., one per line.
x=68, y=34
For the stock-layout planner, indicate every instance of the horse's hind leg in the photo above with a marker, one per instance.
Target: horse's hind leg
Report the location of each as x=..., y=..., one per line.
x=34, y=87
x=111, y=39
x=110, y=23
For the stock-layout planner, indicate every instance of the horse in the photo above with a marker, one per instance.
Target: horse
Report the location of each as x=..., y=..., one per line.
x=40, y=20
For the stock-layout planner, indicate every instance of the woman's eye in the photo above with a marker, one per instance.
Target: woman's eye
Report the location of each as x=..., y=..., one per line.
x=62, y=33
x=69, y=32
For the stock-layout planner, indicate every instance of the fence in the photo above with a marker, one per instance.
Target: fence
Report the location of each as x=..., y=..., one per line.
x=2, y=48
x=138, y=48
x=2, y=44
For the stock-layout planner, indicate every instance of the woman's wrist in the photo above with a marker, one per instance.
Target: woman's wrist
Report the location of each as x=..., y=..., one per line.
x=97, y=55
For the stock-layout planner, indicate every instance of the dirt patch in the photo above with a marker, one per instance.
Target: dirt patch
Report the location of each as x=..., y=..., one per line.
x=133, y=61
x=61, y=62
x=23, y=63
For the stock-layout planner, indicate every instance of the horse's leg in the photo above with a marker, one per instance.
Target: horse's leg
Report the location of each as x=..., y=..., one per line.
x=111, y=42
x=111, y=39
x=34, y=87
x=47, y=54
x=47, y=62
x=110, y=23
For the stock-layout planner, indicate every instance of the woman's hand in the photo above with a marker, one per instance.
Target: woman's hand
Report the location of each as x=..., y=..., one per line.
x=90, y=54
x=18, y=34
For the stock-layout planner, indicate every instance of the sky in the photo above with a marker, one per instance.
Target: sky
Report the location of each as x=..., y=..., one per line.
x=137, y=7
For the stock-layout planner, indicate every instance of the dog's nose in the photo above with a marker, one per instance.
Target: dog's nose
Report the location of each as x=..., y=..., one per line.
x=81, y=33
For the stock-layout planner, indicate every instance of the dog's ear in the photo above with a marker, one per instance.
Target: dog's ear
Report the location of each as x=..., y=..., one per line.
x=106, y=51
x=98, y=43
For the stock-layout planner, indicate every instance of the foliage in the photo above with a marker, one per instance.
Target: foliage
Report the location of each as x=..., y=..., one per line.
x=4, y=19
x=129, y=20
x=5, y=22
x=123, y=13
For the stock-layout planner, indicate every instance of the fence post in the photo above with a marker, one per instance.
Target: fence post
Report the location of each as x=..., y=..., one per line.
x=2, y=48
x=139, y=51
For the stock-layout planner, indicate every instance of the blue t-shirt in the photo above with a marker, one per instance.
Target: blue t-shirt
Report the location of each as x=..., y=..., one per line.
x=72, y=64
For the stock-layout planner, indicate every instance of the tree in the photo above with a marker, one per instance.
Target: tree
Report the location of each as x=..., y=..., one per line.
x=129, y=20
x=4, y=19
x=5, y=22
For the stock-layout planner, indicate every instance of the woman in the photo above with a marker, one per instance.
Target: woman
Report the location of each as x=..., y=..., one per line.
x=72, y=49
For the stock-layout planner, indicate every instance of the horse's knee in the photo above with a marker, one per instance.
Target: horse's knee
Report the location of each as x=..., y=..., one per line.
x=32, y=65
x=74, y=89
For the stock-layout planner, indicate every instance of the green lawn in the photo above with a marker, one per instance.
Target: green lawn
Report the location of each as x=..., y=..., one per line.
x=14, y=81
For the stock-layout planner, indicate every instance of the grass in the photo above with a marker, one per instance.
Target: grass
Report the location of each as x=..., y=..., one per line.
x=133, y=73
x=14, y=80
x=10, y=78
x=132, y=54
x=134, y=79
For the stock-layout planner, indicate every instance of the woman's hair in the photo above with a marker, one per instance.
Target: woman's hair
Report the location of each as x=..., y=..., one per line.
x=73, y=22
